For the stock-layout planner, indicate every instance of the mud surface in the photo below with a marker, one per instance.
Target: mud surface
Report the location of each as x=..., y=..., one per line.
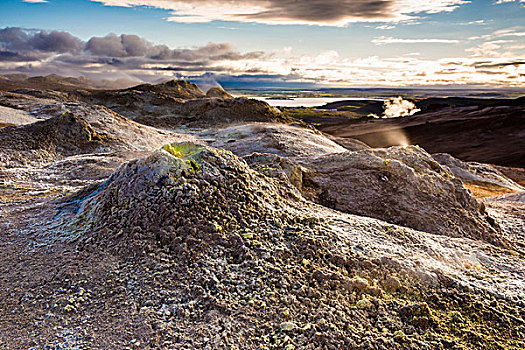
x=249, y=235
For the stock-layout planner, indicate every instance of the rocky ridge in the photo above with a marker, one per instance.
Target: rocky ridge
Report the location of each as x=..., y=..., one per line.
x=179, y=104
x=218, y=92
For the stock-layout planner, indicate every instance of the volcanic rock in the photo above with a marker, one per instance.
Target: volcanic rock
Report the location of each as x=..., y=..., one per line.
x=218, y=92
x=64, y=135
x=401, y=185
x=181, y=104
x=180, y=190
x=284, y=140
x=72, y=129
x=113, y=242
x=215, y=112
x=174, y=88
x=228, y=245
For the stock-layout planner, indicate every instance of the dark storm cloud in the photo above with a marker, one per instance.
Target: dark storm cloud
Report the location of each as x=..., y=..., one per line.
x=17, y=39
x=32, y=44
x=41, y=52
x=324, y=10
x=119, y=46
x=14, y=41
x=55, y=42
x=498, y=65
x=315, y=12
x=135, y=46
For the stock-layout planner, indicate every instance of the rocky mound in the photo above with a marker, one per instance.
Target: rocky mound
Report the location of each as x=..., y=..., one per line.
x=213, y=254
x=181, y=104
x=64, y=135
x=145, y=100
x=401, y=185
x=174, y=88
x=214, y=112
x=181, y=189
x=284, y=140
x=218, y=92
x=131, y=103
x=72, y=129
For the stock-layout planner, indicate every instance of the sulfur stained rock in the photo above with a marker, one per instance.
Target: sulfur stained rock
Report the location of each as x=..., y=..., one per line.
x=198, y=192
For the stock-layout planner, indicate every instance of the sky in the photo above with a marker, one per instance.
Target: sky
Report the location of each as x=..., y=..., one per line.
x=340, y=43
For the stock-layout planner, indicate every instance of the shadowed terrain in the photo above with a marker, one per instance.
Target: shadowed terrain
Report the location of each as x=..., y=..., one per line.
x=482, y=130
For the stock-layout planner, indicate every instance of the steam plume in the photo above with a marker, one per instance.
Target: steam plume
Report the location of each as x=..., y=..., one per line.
x=398, y=107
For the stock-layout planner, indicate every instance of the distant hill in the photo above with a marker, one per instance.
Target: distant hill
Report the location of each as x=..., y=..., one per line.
x=59, y=83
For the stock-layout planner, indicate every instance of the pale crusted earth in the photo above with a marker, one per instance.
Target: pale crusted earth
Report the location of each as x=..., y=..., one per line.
x=255, y=235
x=11, y=116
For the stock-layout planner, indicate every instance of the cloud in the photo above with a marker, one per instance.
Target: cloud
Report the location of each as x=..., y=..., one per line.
x=496, y=43
x=500, y=64
x=383, y=40
x=507, y=1
x=118, y=46
x=518, y=47
x=512, y=32
x=131, y=57
x=310, y=12
x=135, y=46
x=477, y=22
x=35, y=1
x=385, y=27
x=55, y=42
x=39, y=52
x=29, y=40
x=490, y=48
